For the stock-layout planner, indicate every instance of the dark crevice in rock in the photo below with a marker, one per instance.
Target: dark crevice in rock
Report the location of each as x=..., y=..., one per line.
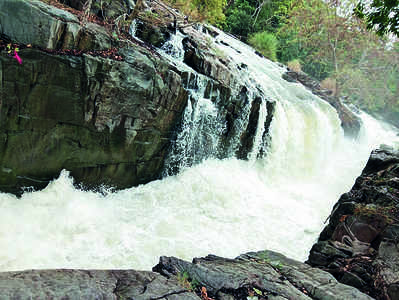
x=354, y=245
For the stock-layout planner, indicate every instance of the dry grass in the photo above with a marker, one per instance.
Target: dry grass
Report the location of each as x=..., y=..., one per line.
x=295, y=65
x=330, y=84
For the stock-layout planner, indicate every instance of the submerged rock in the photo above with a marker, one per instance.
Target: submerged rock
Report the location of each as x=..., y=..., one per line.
x=359, y=246
x=254, y=275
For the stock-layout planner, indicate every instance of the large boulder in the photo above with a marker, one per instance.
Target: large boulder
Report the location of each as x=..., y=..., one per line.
x=91, y=284
x=359, y=245
x=109, y=115
x=108, y=122
x=36, y=23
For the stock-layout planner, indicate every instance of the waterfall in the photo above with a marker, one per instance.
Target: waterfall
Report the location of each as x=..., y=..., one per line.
x=220, y=206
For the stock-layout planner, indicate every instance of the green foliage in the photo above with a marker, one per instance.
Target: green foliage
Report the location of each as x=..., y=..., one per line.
x=199, y=10
x=340, y=48
x=186, y=282
x=246, y=17
x=239, y=19
x=266, y=43
x=382, y=16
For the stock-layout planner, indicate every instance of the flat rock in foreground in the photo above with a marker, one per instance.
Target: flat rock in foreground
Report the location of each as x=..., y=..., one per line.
x=254, y=275
x=258, y=275
x=95, y=284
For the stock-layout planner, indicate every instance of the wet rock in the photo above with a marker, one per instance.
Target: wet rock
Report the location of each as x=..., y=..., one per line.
x=107, y=122
x=353, y=280
x=110, y=122
x=151, y=34
x=264, y=274
x=349, y=121
x=381, y=159
x=90, y=284
x=364, y=225
x=323, y=253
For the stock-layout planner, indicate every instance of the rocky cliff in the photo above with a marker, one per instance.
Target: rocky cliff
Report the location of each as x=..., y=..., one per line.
x=91, y=99
x=359, y=246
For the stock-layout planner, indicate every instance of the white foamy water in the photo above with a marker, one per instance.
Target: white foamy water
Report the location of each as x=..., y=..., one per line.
x=224, y=207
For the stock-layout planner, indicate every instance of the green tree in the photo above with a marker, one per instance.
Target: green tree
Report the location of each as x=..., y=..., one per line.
x=246, y=17
x=209, y=10
x=266, y=43
x=340, y=49
x=381, y=15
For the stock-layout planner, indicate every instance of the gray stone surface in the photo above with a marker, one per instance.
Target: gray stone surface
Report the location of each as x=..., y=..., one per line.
x=36, y=23
x=108, y=122
x=265, y=274
x=89, y=285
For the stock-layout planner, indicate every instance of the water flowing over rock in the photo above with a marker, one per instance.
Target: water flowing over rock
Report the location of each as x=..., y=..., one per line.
x=359, y=246
x=349, y=121
x=110, y=122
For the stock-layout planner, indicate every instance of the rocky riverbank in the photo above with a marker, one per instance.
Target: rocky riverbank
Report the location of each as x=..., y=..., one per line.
x=255, y=275
x=349, y=121
x=356, y=257
x=359, y=246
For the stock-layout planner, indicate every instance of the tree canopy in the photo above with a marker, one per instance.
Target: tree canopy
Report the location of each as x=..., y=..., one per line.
x=380, y=15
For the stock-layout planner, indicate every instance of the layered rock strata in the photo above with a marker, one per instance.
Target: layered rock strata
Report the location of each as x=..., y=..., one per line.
x=109, y=122
x=359, y=246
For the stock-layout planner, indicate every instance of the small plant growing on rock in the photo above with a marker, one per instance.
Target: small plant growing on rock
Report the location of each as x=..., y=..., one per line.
x=186, y=282
x=14, y=51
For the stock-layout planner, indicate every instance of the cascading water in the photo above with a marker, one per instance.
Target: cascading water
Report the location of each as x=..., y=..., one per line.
x=224, y=207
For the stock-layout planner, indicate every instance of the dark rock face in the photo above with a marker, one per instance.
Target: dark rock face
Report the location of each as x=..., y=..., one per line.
x=260, y=275
x=359, y=246
x=107, y=122
x=34, y=22
x=349, y=122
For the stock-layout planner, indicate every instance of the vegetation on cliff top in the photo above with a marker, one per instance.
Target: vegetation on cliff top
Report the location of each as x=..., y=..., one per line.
x=328, y=41
x=322, y=38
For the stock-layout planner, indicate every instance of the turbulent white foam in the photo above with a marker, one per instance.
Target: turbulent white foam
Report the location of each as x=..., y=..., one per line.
x=224, y=207
x=221, y=207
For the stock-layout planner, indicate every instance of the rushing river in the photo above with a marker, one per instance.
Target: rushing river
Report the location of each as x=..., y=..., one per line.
x=224, y=207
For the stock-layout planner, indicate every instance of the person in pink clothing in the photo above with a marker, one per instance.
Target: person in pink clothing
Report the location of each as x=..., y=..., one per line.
x=15, y=50
x=16, y=56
